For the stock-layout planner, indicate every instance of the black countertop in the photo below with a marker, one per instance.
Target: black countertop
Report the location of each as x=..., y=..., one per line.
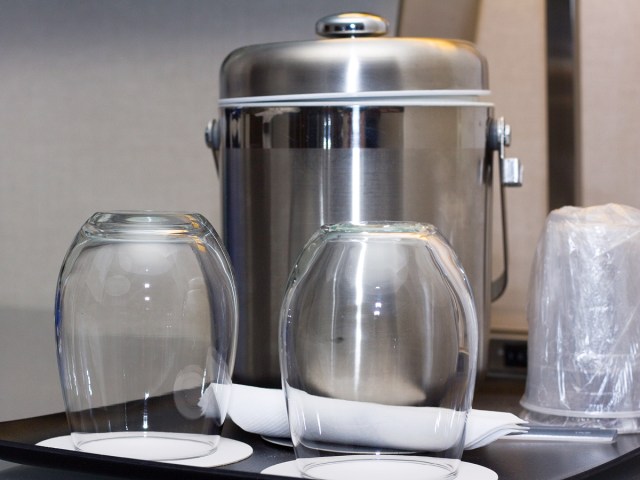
x=510, y=459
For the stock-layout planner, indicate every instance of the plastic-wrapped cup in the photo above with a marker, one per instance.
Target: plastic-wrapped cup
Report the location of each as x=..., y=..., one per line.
x=584, y=319
x=379, y=344
x=146, y=319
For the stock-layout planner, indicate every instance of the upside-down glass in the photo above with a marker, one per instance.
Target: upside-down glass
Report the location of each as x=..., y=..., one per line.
x=378, y=353
x=584, y=320
x=146, y=320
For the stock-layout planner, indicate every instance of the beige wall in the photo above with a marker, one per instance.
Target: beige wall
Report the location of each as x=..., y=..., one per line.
x=511, y=34
x=609, y=57
x=103, y=106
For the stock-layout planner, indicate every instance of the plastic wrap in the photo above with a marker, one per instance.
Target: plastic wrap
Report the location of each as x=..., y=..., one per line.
x=584, y=320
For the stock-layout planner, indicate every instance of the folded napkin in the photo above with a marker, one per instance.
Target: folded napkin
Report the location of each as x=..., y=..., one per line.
x=263, y=411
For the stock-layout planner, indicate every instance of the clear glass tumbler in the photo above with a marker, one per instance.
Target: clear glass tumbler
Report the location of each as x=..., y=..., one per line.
x=378, y=353
x=146, y=320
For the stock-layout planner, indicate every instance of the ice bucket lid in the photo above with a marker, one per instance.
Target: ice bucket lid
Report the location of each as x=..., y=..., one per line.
x=354, y=60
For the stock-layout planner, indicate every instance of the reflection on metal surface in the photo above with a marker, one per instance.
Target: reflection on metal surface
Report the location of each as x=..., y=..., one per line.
x=428, y=164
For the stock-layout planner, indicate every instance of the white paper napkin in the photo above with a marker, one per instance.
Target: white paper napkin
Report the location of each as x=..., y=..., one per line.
x=263, y=411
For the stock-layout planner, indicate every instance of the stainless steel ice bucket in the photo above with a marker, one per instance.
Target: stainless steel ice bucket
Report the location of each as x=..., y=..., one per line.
x=353, y=128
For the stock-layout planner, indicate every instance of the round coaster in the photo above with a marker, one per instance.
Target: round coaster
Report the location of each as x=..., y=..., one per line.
x=466, y=471
x=228, y=451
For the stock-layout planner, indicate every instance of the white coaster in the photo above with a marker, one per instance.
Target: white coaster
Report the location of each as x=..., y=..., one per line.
x=228, y=451
x=466, y=471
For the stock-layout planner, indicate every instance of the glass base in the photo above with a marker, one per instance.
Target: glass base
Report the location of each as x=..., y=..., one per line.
x=379, y=467
x=156, y=446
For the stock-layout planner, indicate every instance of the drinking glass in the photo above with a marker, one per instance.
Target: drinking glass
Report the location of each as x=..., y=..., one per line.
x=584, y=320
x=378, y=352
x=146, y=319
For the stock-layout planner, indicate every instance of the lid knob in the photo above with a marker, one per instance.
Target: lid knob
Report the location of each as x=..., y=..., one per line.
x=352, y=25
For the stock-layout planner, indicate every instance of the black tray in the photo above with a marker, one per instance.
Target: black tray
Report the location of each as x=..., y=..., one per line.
x=18, y=440
x=511, y=459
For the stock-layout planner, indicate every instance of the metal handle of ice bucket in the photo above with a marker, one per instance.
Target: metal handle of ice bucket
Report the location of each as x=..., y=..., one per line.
x=212, y=139
x=510, y=176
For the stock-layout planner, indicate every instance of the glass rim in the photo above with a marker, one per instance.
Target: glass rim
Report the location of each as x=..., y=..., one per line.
x=377, y=227
x=145, y=222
